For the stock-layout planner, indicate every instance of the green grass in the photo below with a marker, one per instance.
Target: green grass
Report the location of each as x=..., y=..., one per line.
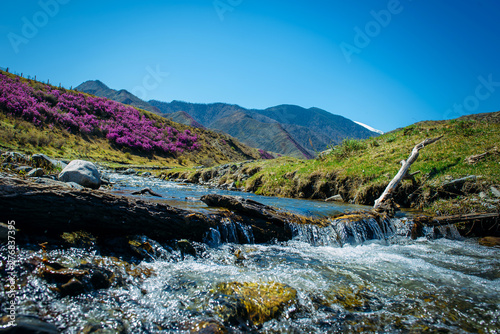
x=360, y=169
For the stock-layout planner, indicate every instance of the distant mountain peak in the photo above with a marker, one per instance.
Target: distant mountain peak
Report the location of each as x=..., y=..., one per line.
x=98, y=88
x=95, y=82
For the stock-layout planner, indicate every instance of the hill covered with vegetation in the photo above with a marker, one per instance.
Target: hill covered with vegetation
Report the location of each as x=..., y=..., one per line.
x=359, y=170
x=37, y=117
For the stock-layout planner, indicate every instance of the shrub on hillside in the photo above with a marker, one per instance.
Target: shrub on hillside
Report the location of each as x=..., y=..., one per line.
x=123, y=125
x=348, y=147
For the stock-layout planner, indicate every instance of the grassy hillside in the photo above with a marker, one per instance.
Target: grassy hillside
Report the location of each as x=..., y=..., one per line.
x=35, y=117
x=359, y=170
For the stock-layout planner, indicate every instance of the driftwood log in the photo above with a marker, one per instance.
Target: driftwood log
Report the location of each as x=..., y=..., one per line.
x=146, y=191
x=52, y=210
x=403, y=171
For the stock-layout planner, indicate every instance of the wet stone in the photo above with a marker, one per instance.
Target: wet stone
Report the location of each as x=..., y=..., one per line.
x=186, y=247
x=255, y=303
x=209, y=327
x=25, y=324
x=72, y=288
x=130, y=171
x=490, y=242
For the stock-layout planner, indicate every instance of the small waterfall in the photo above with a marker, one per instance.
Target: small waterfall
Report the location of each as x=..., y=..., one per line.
x=229, y=232
x=213, y=238
x=343, y=231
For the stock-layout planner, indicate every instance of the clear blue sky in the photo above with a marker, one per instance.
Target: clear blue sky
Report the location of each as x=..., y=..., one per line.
x=384, y=63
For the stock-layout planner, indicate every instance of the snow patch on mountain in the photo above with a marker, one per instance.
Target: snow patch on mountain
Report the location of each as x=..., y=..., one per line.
x=369, y=128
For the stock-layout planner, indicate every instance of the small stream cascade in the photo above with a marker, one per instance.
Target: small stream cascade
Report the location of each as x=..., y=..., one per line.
x=338, y=233
x=327, y=279
x=342, y=231
x=229, y=232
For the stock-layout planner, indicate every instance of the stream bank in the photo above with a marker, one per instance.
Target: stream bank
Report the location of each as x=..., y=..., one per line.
x=73, y=272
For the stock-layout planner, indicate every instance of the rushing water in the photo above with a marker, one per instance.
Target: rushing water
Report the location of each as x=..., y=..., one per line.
x=188, y=196
x=335, y=279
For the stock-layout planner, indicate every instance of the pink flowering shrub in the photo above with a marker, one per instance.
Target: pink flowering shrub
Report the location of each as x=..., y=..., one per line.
x=124, y=125
x=265, y=155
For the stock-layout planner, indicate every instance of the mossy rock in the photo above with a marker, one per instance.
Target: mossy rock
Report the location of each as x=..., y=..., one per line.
x=354, y=299
x=209, y=327
x=79, y=239
x=490, y=242
x=257, y=303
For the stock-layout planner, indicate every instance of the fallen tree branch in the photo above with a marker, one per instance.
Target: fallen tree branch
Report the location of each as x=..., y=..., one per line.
x=389, y=190
x=146, y=190
x=478, y=157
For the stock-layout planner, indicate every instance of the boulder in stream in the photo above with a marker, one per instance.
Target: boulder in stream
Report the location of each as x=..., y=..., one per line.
x=254, y=303
x=82, y=172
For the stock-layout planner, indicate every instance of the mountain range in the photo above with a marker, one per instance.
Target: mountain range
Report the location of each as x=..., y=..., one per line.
x=285, y=129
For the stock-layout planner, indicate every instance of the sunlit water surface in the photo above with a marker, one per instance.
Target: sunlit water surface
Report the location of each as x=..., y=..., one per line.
x=392, y=285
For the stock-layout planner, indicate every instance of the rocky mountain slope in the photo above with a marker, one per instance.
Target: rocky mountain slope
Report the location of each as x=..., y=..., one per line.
x=286, y=129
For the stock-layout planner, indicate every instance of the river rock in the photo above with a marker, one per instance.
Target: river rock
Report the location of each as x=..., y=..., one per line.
x=209, y=327
x=15, y=157
x=27, y=324
x=41, y=160
x=37, y=172
x=74, y=185
x=130, y=171
x=51, y=182
x=456, y=185
x=255, y=303
x=186, y=247
x=23, y=169
x=490, y=241
x=495, y=192
x=82, y=172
